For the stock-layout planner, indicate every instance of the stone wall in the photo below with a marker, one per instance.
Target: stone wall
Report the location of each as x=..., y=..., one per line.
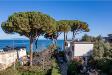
x=9, y=57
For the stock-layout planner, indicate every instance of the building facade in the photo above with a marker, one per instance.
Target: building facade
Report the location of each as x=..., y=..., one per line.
x=79, y=50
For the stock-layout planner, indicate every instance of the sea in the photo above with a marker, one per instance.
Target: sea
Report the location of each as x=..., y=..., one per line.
x=41, y=44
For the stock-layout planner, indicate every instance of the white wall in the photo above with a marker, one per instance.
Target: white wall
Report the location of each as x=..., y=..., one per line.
x=83, y=49
x=8, y=58
x=22, y=52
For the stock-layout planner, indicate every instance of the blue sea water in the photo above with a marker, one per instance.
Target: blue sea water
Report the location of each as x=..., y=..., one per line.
x=41, y=44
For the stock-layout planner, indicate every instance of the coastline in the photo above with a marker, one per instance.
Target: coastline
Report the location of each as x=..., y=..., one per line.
x=41, y=44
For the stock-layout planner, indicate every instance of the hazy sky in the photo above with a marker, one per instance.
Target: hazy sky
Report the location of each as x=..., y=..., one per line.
x=97, y=14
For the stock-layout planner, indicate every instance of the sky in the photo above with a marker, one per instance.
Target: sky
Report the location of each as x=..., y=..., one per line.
x=98, y=14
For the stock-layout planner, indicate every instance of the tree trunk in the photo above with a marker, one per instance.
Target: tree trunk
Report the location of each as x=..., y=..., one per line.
x=36, y=42
x=64, y=40
x=66, y=37
x=56, y=41
x=73, y=38
x=31, y=51
x=73, y=35
x=53, y=42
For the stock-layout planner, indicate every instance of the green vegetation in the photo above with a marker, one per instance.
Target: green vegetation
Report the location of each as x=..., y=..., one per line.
x=73, y=68
x=78, y=27
x=105, y=65
x=75, y=26
x=50, y=67
x=63, y=26
x=102, y=54
x=55, y=68
x=102, y=49
x=34, y=70
x=35, y=24
x=101, y=60
x=29, y=24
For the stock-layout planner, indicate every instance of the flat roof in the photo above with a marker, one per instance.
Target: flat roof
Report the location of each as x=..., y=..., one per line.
x=7, y=52
x=82, y=42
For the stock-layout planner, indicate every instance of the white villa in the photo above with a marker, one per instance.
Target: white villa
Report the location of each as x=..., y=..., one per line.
x=78, y=49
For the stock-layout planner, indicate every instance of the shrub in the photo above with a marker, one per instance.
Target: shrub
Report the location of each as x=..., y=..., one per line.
x=55, y=68
x=104, y=64
x=73, y=68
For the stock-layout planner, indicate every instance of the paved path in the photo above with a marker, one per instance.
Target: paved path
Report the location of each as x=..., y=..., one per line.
x=63, y=68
